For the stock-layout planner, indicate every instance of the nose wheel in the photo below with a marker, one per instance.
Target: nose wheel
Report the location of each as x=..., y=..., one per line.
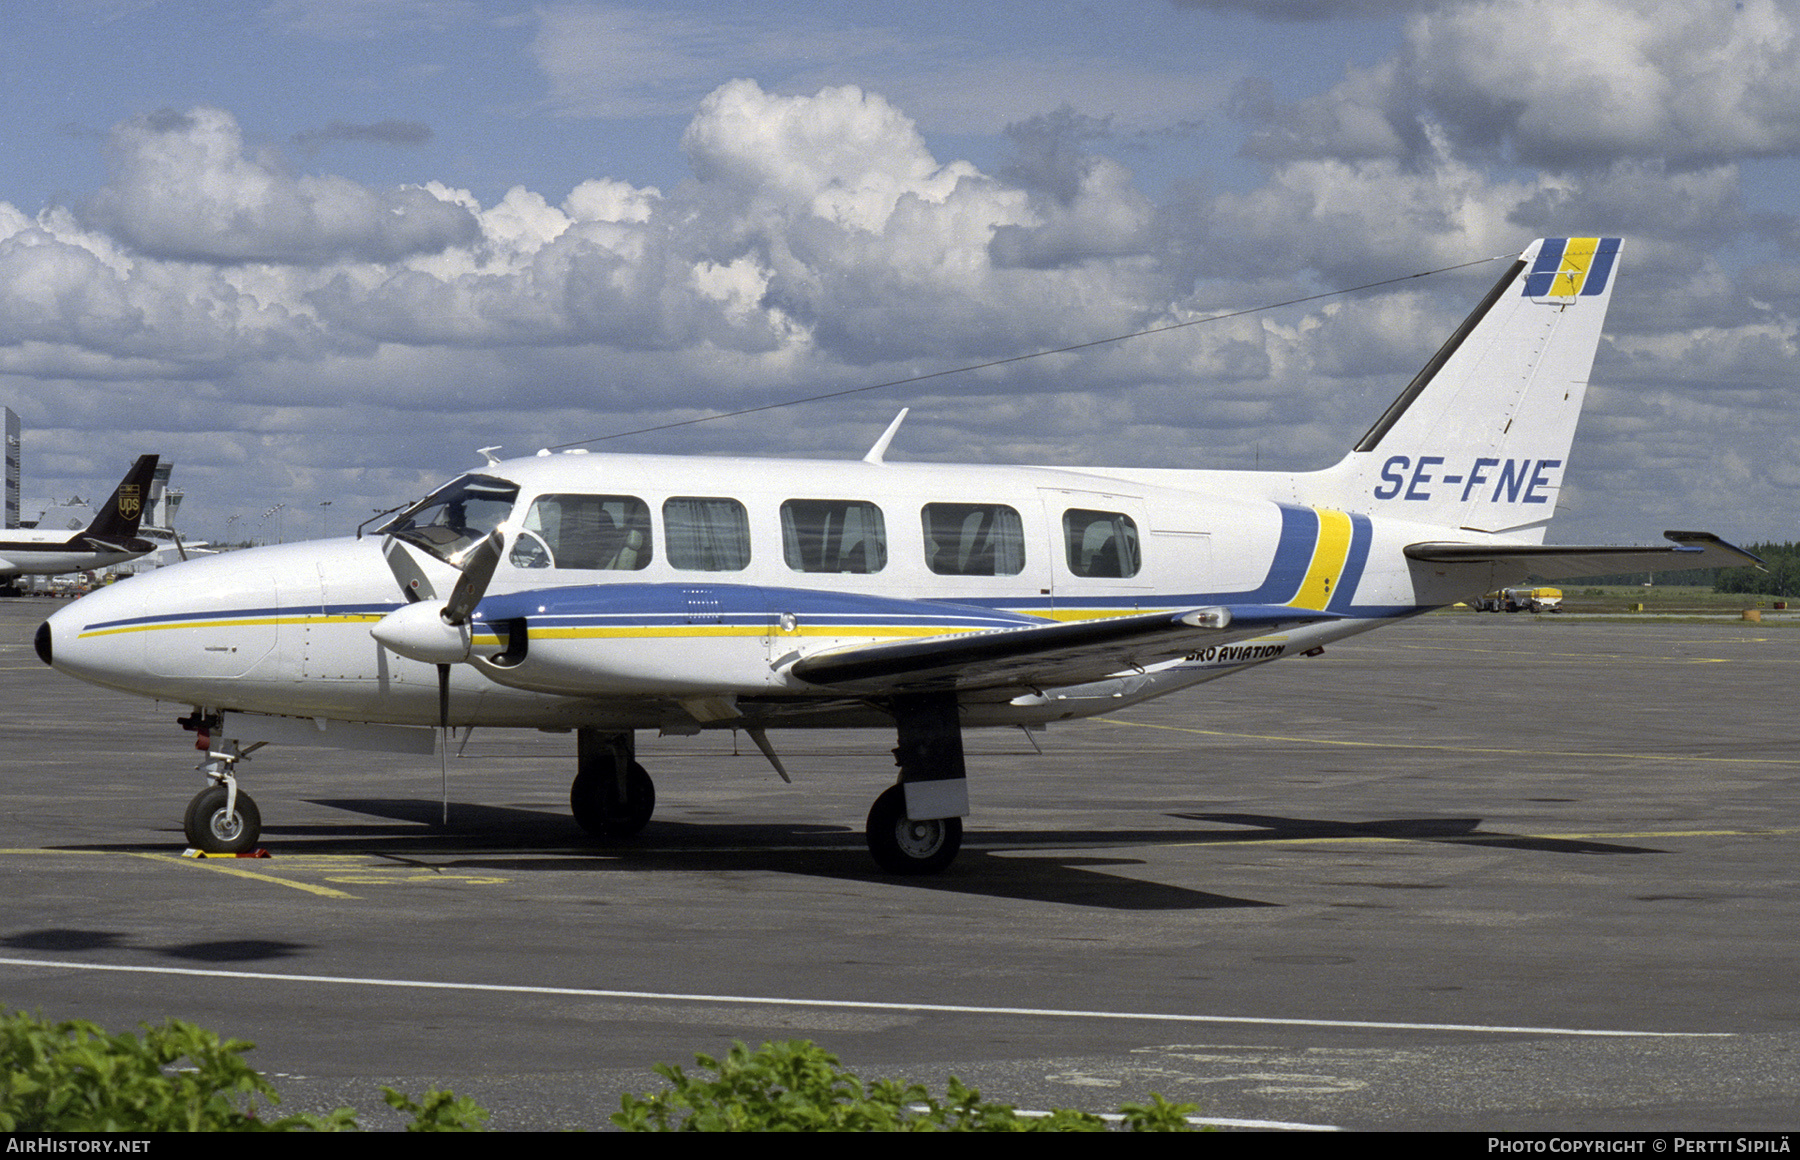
x=218, y=824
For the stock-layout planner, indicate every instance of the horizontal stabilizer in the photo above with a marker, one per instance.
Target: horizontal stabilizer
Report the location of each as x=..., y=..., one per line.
x=1562, y=562
x=1047, y=655
x=119, y=545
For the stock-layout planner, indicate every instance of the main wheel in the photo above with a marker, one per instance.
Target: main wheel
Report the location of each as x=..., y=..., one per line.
x=593, y=799
x=901, y=845
x=211, y=828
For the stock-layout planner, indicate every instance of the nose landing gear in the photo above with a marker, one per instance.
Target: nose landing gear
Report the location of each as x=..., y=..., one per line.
x=221, y=819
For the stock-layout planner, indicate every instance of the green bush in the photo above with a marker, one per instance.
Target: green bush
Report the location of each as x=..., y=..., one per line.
x=74, y=1077
x=797, y=1086
x=440, y=1111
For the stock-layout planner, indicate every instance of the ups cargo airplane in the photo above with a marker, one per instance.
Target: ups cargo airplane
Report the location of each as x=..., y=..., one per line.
x=112, y=537
x=607, y=594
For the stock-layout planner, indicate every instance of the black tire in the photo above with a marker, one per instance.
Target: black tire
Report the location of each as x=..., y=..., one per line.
x=593, y=801
x=900, y=845
x=211, y=829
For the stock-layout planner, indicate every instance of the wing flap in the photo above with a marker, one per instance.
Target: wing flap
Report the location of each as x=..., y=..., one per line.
x=1047, y=655
x=1562, y=562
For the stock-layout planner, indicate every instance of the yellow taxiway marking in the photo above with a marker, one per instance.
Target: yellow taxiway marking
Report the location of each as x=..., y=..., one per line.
x=347, y=869
x=1539, y=654
x=1665, y=757
x=357, y=870
x=219, y=864
x=1555, y=655
x=1483, y=837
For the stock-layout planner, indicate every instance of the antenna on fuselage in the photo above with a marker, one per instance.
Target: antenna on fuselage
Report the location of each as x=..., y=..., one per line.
x=881, y=445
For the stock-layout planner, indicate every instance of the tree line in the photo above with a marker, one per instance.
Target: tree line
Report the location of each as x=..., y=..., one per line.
x=1780, y=575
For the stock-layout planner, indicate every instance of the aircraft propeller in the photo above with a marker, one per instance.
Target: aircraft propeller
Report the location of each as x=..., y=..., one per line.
x=423, y=630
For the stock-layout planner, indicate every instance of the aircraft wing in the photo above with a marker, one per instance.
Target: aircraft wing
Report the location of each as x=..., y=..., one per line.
x=1561, y=562
x=1044, y=655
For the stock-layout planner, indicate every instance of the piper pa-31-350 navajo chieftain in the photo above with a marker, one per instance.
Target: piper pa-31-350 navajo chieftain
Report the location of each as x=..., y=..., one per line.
x=613, y=593
x=112, y=537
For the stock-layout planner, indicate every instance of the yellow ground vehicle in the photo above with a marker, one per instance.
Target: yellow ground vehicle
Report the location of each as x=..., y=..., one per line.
x=1521, y=600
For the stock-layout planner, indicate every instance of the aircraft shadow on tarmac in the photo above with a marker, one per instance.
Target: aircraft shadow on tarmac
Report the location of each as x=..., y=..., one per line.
x=1462, y=831
x=508, y=839
x=1023, y=865
x=225, y=951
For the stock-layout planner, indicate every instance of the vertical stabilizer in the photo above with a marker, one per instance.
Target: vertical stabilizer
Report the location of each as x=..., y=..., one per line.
x=1480, y=438
x=118, y=520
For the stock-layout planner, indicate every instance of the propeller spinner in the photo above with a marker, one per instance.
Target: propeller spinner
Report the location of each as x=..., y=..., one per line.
x=425, y=630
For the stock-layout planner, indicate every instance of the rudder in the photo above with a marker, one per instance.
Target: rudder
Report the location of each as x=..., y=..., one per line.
x=1480, y=438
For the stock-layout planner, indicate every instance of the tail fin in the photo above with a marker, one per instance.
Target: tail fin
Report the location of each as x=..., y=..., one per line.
x=118, y=520
x=1480, y=438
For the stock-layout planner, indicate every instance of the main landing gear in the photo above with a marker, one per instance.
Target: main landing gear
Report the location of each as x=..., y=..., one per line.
x=612, y=796
x=901, y=845
x=914, y=827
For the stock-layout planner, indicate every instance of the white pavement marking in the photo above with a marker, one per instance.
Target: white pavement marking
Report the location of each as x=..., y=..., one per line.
x=852, y=1004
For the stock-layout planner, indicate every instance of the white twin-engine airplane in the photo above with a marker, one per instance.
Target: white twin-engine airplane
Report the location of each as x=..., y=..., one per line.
x=112, y=537
x=612, y=593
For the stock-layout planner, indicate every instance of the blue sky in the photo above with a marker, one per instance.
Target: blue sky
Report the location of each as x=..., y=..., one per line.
x=324, y=249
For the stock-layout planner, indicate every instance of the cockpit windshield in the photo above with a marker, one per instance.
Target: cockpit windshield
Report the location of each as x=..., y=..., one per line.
x=453, y=517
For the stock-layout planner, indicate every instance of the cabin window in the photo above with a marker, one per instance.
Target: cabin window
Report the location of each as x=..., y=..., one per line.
x=455, y=516
x=592, y=532
x=704, y=534
x=973, y=539
x=1101, y=544
x=833, y=535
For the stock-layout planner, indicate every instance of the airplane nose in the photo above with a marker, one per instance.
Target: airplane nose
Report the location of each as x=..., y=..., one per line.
x=41, y=642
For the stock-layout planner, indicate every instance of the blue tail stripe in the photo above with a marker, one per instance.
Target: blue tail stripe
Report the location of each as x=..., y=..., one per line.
x=1604, y=256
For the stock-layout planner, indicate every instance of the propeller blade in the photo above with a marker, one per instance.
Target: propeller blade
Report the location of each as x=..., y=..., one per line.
x=444, y=745
x=478, y=565
x=414, y=584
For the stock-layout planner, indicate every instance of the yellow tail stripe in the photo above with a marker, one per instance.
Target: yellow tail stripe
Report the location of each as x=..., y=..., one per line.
x=1329, y=556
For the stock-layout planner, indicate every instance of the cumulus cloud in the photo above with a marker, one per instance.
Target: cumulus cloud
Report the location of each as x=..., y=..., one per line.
x=183, y=187
x=1565, y=84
